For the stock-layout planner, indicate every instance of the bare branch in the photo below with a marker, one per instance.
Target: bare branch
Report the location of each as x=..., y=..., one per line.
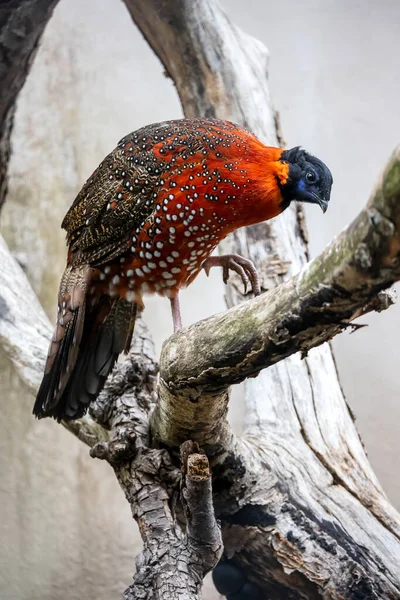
x=25, y=333
x=22, y=23
x=25, y=330
x=172, y=565
x=202, y=532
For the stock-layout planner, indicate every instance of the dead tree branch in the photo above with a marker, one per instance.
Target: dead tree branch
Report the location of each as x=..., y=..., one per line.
x=22, y=23
x=301, y=510
x=25, y=334
x=172, y=564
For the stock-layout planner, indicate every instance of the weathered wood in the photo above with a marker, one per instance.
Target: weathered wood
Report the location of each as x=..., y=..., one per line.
x=22, y=23
x=300, y=507
x=172, y=564
x=25, y=334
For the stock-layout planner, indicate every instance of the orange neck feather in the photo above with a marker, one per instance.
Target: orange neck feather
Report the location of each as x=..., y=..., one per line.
x=261, y=198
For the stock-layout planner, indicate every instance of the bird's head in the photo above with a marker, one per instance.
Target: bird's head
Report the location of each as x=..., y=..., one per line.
x=308, y=179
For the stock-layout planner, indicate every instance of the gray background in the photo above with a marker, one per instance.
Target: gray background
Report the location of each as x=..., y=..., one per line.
x=65, y=528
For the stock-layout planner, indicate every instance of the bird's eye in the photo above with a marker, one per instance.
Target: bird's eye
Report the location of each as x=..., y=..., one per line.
x=311, y=177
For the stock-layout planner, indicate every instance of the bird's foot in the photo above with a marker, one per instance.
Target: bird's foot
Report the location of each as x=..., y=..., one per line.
x=234, y=262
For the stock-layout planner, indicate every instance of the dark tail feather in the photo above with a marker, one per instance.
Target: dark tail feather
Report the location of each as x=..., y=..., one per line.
x=97, y=357
x=83, y=351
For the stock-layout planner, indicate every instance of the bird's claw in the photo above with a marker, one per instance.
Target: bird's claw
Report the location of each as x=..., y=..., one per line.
x=234, y=262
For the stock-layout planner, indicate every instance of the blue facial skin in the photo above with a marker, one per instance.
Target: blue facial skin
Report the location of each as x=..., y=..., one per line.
x=310, y=189
x=309, y=179
x=301, y=187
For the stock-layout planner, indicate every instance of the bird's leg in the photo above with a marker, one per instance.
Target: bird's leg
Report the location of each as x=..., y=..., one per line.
x=234, y=262
x=176, y=313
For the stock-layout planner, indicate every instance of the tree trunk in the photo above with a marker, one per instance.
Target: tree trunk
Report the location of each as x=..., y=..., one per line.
x=22, y=23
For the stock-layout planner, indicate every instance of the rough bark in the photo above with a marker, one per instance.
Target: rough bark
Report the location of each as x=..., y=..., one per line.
x=300, y=508
x=173, y=562
x=22, y=23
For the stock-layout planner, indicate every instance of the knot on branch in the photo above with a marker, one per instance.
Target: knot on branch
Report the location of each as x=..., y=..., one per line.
x=363, y=256
x=382, y=224
x=121, y=446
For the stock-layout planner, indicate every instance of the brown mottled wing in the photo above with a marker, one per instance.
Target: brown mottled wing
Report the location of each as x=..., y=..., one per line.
x=91, y=332
x=115, y=201
x=121, y=193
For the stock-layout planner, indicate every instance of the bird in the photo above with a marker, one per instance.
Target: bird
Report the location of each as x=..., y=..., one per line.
x=146, y=221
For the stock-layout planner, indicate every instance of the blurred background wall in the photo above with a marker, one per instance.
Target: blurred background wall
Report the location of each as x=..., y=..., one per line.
x=65, y=528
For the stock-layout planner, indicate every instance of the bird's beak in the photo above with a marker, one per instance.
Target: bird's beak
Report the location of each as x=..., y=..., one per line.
x=321, y=201
x=323, y=204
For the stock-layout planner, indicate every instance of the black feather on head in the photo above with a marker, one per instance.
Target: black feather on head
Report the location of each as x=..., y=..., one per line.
x=309, y=178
